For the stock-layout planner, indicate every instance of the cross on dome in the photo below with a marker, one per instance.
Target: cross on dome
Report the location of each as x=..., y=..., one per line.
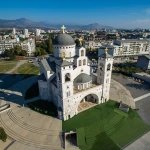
x=106, y=49
x=63, y=28
x=63, y=55
x=80, y=40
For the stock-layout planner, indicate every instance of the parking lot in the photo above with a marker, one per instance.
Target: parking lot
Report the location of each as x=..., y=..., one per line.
x=136, y=89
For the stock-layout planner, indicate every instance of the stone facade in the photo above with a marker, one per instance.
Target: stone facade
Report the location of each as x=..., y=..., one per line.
x=68, y=81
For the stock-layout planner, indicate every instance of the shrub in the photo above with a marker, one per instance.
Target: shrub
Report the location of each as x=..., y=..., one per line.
x=3, y=135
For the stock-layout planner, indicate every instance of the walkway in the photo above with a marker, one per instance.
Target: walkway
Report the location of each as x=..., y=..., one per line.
x=85, y=105
x=120, y=93
x=20, y=62
x=29, y=129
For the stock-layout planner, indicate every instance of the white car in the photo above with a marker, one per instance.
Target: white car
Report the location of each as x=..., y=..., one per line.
x=30, y=61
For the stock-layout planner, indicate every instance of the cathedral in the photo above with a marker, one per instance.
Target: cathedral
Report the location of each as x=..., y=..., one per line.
x=67, y=78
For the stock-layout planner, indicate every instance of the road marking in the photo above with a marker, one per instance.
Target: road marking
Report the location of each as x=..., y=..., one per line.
x=141, y=97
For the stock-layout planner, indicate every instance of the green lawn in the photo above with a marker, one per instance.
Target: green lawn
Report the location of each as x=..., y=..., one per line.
x=102, y=127
x=27, y=70
x=7, y=65
x=43, y=107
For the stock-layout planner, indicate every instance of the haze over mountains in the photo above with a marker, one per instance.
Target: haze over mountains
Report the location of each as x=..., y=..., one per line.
x=25, y=23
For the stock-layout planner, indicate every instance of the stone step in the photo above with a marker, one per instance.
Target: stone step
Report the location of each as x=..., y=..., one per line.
x=31, y=128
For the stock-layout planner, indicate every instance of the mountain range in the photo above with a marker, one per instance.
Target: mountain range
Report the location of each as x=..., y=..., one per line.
x=25, y=23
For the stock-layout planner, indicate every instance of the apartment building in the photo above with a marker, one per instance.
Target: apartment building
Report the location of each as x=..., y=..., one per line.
x=129, y=47
x=92, y=45
x=27, y=45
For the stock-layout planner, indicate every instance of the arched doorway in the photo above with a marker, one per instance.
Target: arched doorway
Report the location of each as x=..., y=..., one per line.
x=87, y=102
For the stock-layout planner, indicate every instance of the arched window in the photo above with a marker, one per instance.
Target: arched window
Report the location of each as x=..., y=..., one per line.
x=67, y=77
x=108, y=67
x=80, y=63
x=84, y=62
x=82, y=52
x=101, y=66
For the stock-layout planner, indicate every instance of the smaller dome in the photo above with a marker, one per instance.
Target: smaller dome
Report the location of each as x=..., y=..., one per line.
x=83, y=78
x=63, y=39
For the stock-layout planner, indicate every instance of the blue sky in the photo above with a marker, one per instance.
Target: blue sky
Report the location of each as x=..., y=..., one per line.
x=116, y=13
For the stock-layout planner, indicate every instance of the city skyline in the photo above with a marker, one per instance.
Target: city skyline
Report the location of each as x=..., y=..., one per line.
x=124, y=14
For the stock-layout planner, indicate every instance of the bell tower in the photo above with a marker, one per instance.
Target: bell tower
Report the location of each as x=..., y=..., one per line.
x=105, y=62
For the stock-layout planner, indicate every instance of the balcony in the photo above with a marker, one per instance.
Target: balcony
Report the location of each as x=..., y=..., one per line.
x=75, y=90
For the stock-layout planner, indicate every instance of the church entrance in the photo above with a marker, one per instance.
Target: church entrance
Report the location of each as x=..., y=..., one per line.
x=88, y=102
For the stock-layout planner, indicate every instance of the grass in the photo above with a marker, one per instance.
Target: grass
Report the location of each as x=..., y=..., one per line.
x=44, y=107
x=7, y=65
x=27, y=70
x=103, y=128
x=32, y=91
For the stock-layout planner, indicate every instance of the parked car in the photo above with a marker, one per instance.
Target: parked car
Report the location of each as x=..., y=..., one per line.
x=30, y=61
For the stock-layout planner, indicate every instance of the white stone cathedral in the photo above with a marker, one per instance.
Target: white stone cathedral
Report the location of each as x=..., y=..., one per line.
x=67, y=78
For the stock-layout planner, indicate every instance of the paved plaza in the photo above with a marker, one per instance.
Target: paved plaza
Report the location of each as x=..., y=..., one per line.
x=136, y=89
x=119, y=93
x=85, y=105
x=29, y=129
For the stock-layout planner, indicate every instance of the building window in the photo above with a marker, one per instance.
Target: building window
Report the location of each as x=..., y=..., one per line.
x=84, y=62
x=68, y=94
x=82, y=52
x=101, y=66
x=79, y=62
x=108, y=67
x=67, y=77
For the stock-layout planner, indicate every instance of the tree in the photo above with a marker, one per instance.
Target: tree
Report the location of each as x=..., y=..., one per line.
x=50, y=45
x=39, y=51
x=3, y=135
x=23, y=53
x=10, y=54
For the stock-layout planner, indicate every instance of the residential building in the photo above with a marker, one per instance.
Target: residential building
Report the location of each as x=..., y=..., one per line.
x=92, y=45
x=14, y=31
x=26, y=33
x=37, y=32
x=127, y=48
x=27, y=45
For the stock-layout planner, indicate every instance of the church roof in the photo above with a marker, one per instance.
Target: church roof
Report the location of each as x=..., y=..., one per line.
x=82, y=78
x=63, y=39
x=49, y=66
x=63, y=63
